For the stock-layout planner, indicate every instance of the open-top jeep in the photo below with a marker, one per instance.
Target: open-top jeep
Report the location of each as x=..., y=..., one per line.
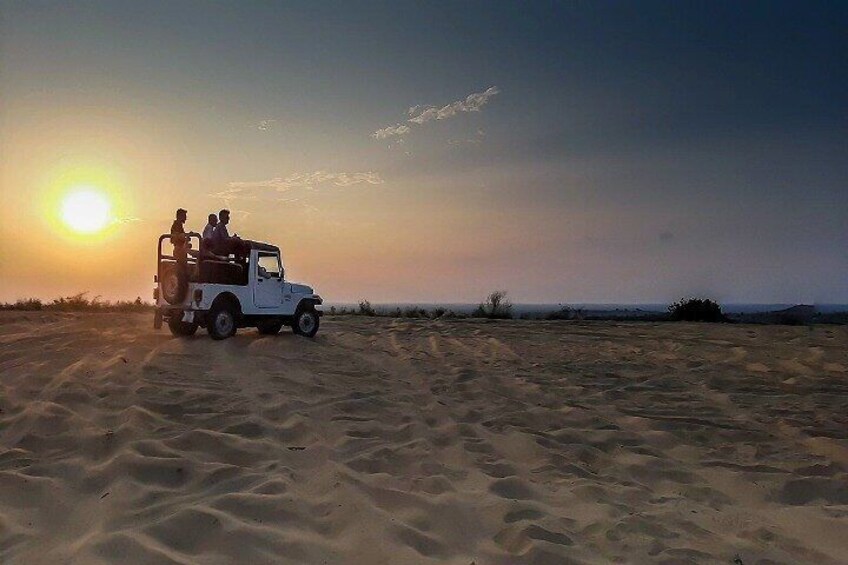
x=223, y=294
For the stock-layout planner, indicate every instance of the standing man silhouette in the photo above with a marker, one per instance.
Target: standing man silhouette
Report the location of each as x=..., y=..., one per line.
x=180, y=239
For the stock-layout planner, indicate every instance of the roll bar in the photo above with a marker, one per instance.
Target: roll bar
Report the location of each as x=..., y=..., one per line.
x=161, y=255
x=192, y=259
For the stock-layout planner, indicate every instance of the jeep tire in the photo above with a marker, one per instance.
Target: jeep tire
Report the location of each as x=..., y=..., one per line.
x=306, y=321
x=181, y=329
x=174, y=282
x=221, y=321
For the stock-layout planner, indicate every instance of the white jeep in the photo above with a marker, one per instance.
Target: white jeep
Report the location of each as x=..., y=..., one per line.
x=223, y=294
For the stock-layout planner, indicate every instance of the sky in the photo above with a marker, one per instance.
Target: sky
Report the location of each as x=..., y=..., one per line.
x=567, y=152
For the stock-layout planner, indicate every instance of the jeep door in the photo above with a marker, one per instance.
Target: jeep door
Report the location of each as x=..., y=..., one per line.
x=268, y=289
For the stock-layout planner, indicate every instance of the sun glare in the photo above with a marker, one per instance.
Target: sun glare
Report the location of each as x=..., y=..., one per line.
x=86, y=211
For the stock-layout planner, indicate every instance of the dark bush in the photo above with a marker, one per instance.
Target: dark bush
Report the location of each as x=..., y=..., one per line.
x=415, y=312
x=696, y=310
x=564, y=313
x=365, y=309
x=497, y=306
x=25, y=304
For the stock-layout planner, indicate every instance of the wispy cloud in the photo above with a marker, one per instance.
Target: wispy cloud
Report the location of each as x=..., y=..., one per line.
x=256, y=190
x=458, y=142
x=421, y=114
x=399, y=129
x=266, y=125
x=309, y=180
x=472, y=103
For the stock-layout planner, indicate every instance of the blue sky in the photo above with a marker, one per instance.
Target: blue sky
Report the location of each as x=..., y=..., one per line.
x=625, y=152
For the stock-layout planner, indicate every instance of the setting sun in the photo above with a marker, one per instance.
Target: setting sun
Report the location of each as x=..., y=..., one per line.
x=86, y=211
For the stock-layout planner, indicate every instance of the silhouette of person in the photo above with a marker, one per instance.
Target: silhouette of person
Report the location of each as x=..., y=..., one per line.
x=223, y=243
x=179, y=237
x=180, y=240
x=206, y=239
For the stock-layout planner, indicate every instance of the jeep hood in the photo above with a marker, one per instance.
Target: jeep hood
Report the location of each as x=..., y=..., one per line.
x=297, y=288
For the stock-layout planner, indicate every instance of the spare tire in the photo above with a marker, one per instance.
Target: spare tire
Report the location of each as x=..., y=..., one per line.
x=173, y=281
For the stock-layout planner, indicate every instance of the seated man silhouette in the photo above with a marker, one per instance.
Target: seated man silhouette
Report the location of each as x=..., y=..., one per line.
x=225, y=244
x=206, y=241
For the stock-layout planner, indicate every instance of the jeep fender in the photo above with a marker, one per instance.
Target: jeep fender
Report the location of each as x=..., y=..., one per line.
x=307, y=303
x=230, y=299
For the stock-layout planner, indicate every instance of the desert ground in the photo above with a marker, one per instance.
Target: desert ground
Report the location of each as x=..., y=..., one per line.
x=414, y=441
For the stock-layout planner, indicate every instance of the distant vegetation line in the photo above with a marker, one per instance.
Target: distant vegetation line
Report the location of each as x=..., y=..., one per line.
x=78, y=303
x=497, y=306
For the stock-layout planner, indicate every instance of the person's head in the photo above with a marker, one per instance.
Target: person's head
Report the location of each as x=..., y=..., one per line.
x=213, y=219
x=224, y=216
x=182, y=215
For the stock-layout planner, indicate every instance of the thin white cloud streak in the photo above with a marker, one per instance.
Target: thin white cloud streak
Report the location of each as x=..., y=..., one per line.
x=472, y=103
x=256, y=190
x=421, y=114
x=458, y=142
x=308, y=180
x=399, y=129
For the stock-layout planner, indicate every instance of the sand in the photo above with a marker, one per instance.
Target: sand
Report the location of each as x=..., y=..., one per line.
x=395, y=441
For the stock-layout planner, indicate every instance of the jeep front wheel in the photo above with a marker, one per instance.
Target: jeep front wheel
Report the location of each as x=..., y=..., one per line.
x=221, y=321
x=306, y=322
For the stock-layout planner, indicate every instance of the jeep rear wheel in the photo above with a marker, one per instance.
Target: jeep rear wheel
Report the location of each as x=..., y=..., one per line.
x=306, y=322
x=181, y=329
x=221, y=321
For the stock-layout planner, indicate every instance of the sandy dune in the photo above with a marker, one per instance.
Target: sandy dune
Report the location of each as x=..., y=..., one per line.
x=391, y=441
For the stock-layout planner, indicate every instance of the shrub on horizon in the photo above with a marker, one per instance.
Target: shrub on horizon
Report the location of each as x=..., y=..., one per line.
x=696, y=310
x=365, y=309
x=415, y=312
x=497, y=306
x=23, y=304
x=28, y=304
x=564, y=313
